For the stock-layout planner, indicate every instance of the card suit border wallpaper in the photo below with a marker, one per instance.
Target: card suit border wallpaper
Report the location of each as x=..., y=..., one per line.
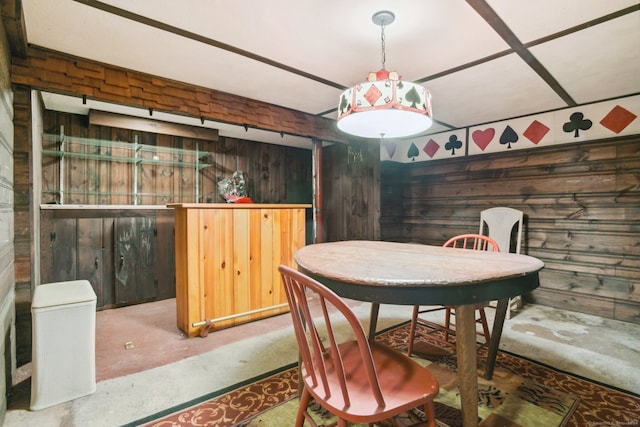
x=589, y=122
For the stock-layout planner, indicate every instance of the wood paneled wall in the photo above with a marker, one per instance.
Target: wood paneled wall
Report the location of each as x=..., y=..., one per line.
x=351, y=192
x=269, y=181
x=582, y=210
x=7, y=230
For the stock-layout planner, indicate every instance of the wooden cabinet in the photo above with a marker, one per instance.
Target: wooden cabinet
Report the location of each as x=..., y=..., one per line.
x=73, y=249
x=227, y=259
x=134, y=260
x=117, y=249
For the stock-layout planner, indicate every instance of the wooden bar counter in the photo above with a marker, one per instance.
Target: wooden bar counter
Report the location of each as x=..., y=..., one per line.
x=227, y=258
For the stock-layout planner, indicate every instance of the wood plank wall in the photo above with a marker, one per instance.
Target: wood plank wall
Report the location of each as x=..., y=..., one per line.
x=269, y=181
x=581, y=204
x=351, y=192
x=7, y=229
x=23, y=230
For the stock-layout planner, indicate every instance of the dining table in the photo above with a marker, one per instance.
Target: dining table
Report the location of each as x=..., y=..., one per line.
x=382, y=272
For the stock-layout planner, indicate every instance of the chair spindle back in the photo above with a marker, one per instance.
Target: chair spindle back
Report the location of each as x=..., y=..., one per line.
x=472, y=241
x=322, y=366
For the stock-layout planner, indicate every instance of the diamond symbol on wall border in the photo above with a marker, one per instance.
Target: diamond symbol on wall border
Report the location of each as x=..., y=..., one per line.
x=535, y=132
x=618, y=119
x=431, y=148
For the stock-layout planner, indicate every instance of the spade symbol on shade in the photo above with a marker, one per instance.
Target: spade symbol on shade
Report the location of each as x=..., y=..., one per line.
x=413, y=96
x=344, y=104
x=508, y=137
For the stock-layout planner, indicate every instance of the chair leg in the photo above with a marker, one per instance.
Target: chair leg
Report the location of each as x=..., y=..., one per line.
x=430, y=413
x=515, y=303
x=447, y=323
x=412, y=330
x=305, y=397
x=485, y=326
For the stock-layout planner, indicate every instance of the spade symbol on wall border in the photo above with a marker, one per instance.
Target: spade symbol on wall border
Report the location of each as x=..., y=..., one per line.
x=508, y=137
x=413, y=152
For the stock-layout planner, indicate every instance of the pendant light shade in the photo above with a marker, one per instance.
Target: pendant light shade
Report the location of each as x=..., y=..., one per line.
x=384, y=106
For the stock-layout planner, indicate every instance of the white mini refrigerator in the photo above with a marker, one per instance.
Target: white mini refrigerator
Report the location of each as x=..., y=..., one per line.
x=63, y=343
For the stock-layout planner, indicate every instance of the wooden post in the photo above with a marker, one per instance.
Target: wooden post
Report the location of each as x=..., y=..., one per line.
x=317, y=190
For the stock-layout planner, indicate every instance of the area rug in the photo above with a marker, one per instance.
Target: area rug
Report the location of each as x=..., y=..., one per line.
x=522, y=393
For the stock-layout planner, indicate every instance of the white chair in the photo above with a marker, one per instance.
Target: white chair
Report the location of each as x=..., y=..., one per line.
x=504, y=225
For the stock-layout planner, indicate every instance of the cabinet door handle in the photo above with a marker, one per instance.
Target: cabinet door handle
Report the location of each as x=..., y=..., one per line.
x=96, y=263
x=121, y=261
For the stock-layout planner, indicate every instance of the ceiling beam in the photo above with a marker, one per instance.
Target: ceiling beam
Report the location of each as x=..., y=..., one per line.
x=500, y=27
x=15, y=27
x=583, y=26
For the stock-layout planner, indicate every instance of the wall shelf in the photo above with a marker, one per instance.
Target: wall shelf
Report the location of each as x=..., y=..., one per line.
x=69, y=148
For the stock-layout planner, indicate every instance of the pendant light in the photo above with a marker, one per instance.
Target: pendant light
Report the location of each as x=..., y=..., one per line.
x=384, y=106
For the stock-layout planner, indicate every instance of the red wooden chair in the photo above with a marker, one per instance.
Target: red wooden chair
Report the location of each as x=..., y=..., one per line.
x=463, y=241
x=357, y=380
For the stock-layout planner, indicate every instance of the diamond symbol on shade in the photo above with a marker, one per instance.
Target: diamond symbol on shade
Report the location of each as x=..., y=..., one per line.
x=535, y=132
x=618, y=119
x=372, y=95
x=431, y=148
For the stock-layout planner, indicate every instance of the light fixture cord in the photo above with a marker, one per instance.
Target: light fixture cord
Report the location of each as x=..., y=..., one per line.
x=382, y=38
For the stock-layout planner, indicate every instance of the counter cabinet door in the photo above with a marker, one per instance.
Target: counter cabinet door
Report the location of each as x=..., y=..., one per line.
x=73, y=249
x=134, y=260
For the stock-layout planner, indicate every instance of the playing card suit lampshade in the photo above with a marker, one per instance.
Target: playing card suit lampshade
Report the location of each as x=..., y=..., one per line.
x=384, y=106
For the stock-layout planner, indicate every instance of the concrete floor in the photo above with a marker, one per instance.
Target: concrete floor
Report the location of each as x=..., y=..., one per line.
x=164, y=368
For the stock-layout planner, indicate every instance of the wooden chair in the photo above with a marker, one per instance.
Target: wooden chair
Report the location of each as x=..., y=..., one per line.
x=463, y=241
x=358, y=381
x=504, y=225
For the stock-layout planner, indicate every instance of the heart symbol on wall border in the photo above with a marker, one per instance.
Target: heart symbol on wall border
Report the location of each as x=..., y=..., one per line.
x=391, y=148
x=482, y=138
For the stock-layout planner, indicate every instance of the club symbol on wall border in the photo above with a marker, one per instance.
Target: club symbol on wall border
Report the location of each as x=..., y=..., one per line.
x=576, y=123
x=453, y=144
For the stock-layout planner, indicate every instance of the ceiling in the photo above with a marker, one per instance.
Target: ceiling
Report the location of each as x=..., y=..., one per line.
x=482, y=60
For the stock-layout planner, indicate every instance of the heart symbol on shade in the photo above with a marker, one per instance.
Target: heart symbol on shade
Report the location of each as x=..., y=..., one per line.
x=482, y=138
